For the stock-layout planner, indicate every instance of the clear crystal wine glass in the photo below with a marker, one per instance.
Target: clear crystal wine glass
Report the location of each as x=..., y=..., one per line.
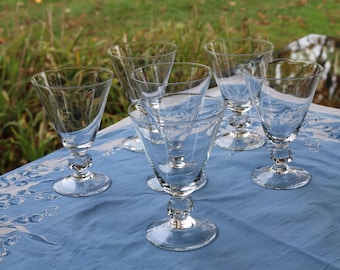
x=74, y=99
x=226, y=57
x=154, y=81
x=282, y=94
x=178, y=177
x=126, y=57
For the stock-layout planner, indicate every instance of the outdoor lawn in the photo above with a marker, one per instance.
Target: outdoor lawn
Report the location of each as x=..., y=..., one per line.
x=41, y=34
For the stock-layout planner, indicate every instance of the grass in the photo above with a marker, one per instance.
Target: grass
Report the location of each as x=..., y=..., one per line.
x=41, y=34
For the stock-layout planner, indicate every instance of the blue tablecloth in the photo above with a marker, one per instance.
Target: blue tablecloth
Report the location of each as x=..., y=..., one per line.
x=258, y=228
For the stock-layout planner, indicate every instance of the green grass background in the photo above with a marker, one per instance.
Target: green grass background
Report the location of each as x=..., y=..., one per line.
x=36, y=36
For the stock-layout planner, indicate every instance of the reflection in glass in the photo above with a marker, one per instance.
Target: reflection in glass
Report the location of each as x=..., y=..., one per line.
x=226, y=58
x=74, y=100
x=126, y=57
x=179, y=169
x=154, y=81
x=282, y=95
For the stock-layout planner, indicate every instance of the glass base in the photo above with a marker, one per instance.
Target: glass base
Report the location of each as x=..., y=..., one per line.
x=162, y=235
x=233, y=142
x=133, y=144
x=153, y=183
x=292, y=179
x=71, y=187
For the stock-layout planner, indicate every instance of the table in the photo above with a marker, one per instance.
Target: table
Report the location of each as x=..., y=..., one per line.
x=258, y=228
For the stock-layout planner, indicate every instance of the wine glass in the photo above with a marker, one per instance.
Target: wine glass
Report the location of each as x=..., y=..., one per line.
x=126, y=57
x=178, y=177
x=226, y=57
x=74, y=99
x=282, y=94
x=154, y=81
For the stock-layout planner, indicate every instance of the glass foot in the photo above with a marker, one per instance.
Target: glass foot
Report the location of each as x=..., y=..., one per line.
x=163, y=235
x=71, y=187
x=293, y=178
x=153, y=183
x=133, y=144
x=234, y=142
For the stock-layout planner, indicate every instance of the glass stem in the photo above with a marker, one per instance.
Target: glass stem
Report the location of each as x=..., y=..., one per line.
x=281, y=156
x=179, y=209
x=80, y=163
x=176, y=156
x=240, y=122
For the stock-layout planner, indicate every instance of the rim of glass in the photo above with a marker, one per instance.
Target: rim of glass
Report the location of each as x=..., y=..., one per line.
x=269, y=43
x=172, y=64
x=82, y=68
x=128, y=44
x=132, y=108
x=318, y=72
